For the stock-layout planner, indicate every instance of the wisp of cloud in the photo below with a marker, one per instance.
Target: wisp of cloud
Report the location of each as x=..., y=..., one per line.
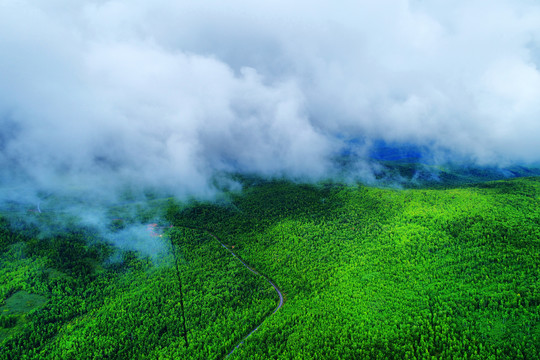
x=96, y=96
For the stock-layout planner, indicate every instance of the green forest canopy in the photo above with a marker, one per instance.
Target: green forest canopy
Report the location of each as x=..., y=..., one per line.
x=366, y=273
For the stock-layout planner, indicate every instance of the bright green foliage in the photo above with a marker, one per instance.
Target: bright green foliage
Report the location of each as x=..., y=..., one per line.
x=371, y=273
x=367, y=274
x=130, y=309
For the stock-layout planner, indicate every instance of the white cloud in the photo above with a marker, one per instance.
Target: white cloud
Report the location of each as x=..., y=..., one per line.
x=171, y=92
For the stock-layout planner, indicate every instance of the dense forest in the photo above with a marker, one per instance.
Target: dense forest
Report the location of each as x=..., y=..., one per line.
x=367, y=273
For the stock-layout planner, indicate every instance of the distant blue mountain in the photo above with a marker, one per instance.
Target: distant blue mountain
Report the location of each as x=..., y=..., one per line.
x=383, y=151
x=411, y=165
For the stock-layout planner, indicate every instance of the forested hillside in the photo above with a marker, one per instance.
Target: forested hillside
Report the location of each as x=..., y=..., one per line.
x=367, y=273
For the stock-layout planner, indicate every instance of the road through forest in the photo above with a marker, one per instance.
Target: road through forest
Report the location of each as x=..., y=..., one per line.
x=155, y=230
x=256, y=273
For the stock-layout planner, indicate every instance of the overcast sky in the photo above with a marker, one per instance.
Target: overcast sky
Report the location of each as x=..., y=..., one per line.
x=168, y=93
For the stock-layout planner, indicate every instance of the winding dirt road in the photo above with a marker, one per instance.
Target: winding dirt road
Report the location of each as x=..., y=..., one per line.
x=256, y=273
x=154, y=227
x=156, y=230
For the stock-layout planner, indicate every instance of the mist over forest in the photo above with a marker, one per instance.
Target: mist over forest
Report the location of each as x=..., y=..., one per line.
x=97, y=96
x=269, y=180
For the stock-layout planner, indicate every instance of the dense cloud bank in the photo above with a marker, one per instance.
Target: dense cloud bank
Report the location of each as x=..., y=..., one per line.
x=104, y=94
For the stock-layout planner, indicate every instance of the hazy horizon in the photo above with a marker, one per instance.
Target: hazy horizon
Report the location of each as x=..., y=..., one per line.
x=101, y=95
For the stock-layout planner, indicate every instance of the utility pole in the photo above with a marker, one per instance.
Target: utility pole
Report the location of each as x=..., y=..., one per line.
x=181, y=293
